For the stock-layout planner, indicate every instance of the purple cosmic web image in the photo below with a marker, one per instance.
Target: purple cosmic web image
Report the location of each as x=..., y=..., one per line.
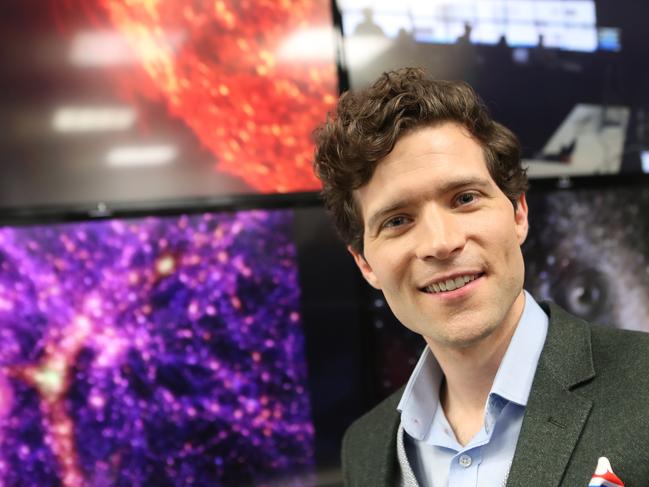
x=152, y=352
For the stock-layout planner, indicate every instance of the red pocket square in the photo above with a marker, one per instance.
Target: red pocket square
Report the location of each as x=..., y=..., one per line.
x=604, y=476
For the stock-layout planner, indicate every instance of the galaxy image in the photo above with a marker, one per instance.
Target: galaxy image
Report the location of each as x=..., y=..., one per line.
x=161, y=351
x=587, y=251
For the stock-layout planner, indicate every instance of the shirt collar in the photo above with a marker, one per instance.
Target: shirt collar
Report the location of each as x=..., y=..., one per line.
x=421, y=396
x=513, y=380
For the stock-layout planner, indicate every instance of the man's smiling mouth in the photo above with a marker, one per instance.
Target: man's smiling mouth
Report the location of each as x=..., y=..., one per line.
x=450, y=284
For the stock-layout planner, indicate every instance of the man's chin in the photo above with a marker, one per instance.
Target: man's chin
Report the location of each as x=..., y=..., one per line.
x=464, y=338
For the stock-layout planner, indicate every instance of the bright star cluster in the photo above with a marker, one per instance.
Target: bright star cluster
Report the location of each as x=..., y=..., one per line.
x=152, y=352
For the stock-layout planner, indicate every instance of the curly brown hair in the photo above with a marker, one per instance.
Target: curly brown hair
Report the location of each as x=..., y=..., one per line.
x=366, y=125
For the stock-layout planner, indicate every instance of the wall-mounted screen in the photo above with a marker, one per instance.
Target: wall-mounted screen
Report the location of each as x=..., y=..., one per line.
x=569, y=77
x=124, y=102
x=220, y=348
x=588, y=251
x=154, y=351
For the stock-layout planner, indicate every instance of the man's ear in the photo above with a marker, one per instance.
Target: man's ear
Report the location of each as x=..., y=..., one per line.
x=520, y=217
x=365, y=268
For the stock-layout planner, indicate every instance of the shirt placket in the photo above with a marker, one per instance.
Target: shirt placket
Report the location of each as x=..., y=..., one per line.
x=464, y=468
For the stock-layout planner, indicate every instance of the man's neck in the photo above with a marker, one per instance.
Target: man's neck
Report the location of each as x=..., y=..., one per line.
x=469, y=374
x=464, y=392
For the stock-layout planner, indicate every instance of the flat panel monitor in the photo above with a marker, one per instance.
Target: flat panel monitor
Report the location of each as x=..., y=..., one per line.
x=136, y=103
x=173, y=350
x=570, y=78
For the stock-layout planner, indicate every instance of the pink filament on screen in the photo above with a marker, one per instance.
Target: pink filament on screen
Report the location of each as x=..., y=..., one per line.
x=51, y=378
x=6, y=396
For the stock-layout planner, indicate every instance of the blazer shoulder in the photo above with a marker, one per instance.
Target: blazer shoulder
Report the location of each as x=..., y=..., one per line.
x=624, y=351
x=613, y=336
x=627, y=338
x=601, y=359
x=577, y=350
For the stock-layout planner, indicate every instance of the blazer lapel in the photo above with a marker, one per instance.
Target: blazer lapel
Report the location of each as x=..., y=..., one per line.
x=372, y=457
x=554, y=416
x=386, y=469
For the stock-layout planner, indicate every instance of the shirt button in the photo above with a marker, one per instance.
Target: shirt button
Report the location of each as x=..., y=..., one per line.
x=465, y=461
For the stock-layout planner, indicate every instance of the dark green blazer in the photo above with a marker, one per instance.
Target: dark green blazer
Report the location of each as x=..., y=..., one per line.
x=589, y=398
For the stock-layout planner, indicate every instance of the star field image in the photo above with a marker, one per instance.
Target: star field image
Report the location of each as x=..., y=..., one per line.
x=587, y=251
x=162, y=351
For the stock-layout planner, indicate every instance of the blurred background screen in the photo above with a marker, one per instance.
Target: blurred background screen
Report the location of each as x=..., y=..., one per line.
x=211, y=348
x=569, y=77
x=141, y=102
x=588, y=251
x=155, y=351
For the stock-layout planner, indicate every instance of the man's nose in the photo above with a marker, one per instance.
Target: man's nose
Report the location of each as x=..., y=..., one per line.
x=440, y=234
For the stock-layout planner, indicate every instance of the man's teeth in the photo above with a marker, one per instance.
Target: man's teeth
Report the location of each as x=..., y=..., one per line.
x=449, y=284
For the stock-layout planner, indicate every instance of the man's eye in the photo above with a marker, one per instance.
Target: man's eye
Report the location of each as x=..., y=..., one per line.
x=465, y=198
x=395, y=221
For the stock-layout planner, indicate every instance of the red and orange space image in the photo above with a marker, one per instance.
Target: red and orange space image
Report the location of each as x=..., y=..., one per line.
x=147, y=101
x=225, y=69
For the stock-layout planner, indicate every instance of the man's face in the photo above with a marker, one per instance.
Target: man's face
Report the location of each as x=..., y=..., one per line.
x=441, y=240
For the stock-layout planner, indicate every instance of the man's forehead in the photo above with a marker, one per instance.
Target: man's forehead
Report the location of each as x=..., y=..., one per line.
x=446, y=155
x=441, y=135
x=433, y=142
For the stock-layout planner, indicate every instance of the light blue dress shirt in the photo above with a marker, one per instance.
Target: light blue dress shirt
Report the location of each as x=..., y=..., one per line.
x=435, y=455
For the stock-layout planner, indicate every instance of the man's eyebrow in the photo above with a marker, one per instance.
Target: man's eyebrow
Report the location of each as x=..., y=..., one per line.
x=446, y=187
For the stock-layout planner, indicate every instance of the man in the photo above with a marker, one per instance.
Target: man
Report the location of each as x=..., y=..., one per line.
x=428, y=192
